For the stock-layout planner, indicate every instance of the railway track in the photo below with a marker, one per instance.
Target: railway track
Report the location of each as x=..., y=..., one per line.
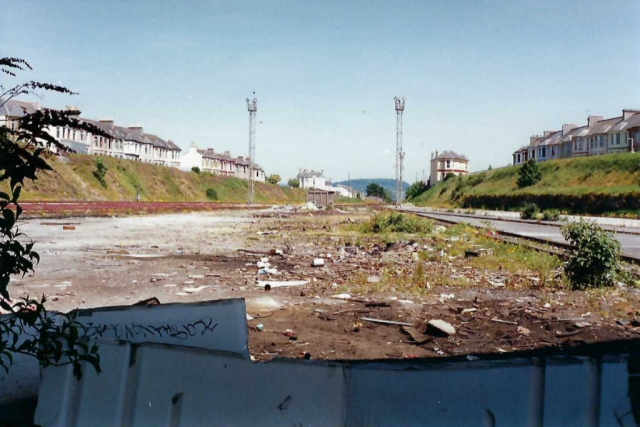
x=555, y=242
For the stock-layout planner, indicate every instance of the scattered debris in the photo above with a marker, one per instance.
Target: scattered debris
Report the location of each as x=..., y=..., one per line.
x=523, y=331
x=385, y=322
x=508, y=322
x=317, y=262
x=274, y=284
x=440, y=328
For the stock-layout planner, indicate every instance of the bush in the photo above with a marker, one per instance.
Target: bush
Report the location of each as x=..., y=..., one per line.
x=595, y=261
x=449, y=175
x=551, y=215
x=195, y=169
x=274, y=178
x=100, y=171
x=529, y=174
x=395, y=222
x=416, y=189
x=530, y=211
x=294, y=183
x=212, y=194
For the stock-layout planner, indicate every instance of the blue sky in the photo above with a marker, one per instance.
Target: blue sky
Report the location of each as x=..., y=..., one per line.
x=479, y=76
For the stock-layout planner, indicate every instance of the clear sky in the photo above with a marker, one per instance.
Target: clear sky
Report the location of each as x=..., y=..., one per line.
x=479, y=76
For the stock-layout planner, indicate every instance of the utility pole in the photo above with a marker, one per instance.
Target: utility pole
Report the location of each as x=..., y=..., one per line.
x=349, y=183
x=399, y=154
x=252, y=106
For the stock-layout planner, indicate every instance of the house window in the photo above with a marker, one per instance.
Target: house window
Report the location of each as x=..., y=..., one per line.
x=448, y=164
x=74, y=135
x=58, y=132
x=617, y=139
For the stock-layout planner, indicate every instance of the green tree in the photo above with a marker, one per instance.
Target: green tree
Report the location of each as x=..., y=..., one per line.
x=212, y=194
x=100, y=171
x=294, y=183
x=529, y=174
x=595, y=261
x=195, y=169
x=53, y=339
x=375, y=190
x=274, y=178
x=448, y=176
x=416, y=189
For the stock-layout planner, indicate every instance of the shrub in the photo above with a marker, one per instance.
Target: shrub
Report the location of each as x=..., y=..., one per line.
x=195, y=169
x=100, y=171
x=274, y=178
x=416, y=189
x=295, y=183
x=395, y=222
x=551, y=215
x=449, y=175
x=212, y=194
x=530, y=211
x=529, y=174
x=595, y=261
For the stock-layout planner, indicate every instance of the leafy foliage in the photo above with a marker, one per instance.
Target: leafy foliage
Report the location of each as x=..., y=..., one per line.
x=294, y=183
x=212, y=194
x=195, y=169
x=100, y=171
x=274, y=178
x=448, y=176
x=551, y=215
x=530, y=211
x=395, y=222
x=375, y=190
x=30, y=329
x=416, y=189
x=529, y=174
x=595, y=262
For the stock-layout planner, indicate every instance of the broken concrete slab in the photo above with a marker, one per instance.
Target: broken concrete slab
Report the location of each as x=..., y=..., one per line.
x=277, y=284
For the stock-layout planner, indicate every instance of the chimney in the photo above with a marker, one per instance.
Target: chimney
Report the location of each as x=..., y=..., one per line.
x=592, y=120
x=240, y=158
x=226, y=153
x=137, y=128
x=71, y=108
x=107, y=121
x=533, y=139
x=546, y=133
x=627, y=113
x=566, y=128
x=193, y=144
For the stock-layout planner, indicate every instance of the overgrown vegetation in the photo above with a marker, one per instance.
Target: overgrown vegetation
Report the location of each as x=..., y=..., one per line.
x=448, y=176
x=294, y=183
x=530, y=211
x=416, y=189
x=596, y=260
x=551, y=215
x=529, y=174
x=30, y=329
x=100, y=171
x=395, y=222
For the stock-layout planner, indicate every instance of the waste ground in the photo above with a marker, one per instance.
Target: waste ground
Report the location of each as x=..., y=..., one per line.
x=495, y=302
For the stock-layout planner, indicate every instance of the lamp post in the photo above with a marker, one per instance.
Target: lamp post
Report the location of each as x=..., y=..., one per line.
x=399, y=103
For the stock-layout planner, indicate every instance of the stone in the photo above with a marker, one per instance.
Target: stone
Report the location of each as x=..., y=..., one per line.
x=440, y=328
x=522, y=330
x=374, y=279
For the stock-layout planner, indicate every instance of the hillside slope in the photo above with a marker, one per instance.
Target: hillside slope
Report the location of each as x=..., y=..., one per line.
x=570, y=184
x=72, y=180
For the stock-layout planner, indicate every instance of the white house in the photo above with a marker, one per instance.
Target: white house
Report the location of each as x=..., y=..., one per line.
x=447, y=162
x=344, y=191
x=219, y=164
x=312, y=179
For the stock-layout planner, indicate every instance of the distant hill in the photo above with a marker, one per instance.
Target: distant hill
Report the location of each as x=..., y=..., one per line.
x=361, y=184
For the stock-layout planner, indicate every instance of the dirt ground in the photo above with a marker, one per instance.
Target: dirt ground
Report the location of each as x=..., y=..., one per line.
x=494, y=305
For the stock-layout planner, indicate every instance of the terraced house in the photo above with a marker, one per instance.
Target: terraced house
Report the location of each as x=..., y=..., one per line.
x=123, y=142
x=599, y=136
x=209, y=161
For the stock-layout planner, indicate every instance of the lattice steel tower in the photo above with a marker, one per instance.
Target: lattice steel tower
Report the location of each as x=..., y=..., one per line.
x=252, y=106
x=399, y=154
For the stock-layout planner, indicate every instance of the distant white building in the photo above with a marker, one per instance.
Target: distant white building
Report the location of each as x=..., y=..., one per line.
x=344, y=191
x=447, y=162
x=219, y=164
x=312, y=179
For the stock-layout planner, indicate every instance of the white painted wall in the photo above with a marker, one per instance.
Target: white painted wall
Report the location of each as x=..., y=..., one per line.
x=191, y=158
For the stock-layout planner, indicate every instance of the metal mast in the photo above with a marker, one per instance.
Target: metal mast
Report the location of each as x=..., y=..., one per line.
x=399, y=154
x=252, y=106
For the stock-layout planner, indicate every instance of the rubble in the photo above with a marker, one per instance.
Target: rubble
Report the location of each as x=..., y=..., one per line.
x=438, y=327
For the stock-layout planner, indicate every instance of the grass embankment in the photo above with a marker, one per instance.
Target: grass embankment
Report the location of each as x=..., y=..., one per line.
x=599, y=184
x=74, y=180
